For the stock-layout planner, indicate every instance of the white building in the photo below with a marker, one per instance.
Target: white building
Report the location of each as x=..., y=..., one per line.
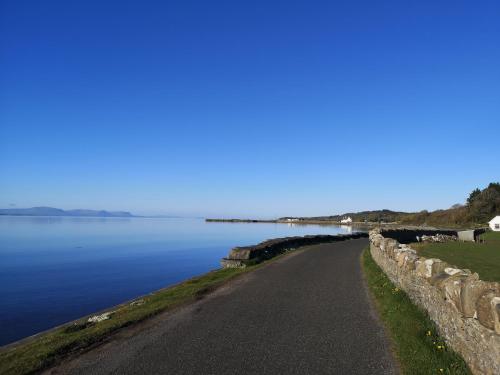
x=346, y=220
x=495, y=224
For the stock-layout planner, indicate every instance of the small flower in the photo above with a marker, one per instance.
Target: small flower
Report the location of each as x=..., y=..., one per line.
x=429, y=333
x=441, y=369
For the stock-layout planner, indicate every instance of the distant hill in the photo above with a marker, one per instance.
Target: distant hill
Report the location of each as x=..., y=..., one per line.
x=481, y=206
x=50, y=211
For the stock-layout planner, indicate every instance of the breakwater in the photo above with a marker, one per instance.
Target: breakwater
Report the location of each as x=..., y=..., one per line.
x=246, y=255
x=466, y=310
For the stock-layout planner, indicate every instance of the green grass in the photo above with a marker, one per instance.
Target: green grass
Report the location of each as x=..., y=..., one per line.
x=416, y=344
x=49, y=348
x=491, y=236
x=483, y=258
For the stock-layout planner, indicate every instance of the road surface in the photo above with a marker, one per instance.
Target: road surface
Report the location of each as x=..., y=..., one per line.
x=305, y=313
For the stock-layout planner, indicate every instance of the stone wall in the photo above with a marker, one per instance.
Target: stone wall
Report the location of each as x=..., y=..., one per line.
x=406, y=236
x=465, y=309
x=242, y=256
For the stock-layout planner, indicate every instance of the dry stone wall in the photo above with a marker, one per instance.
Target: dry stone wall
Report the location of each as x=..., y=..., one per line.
x=242, y=256
x=465, y=309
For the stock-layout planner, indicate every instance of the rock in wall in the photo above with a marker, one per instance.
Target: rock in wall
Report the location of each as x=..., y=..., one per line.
x=465, y=309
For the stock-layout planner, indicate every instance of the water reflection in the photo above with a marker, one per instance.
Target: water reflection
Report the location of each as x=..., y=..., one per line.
x=346, y=228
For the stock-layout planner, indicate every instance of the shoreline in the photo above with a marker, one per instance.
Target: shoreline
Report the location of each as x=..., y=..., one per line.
x=42, y=350
x=354, y=224
x=160, y=260
x=301, y=222
x=131, y=301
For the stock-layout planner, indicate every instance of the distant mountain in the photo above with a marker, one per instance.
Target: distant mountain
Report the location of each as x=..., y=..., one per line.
x=50, y=211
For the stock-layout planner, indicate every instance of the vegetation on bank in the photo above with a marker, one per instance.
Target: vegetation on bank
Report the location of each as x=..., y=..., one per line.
x=416, y=344
x=481, y=206
x=49, y=348
x=482, y=257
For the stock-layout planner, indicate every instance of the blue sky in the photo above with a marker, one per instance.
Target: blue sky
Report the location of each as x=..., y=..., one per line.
x=261, y=108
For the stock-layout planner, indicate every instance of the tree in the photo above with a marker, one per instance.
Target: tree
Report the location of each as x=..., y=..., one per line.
x=494, y=186
x=473, y=195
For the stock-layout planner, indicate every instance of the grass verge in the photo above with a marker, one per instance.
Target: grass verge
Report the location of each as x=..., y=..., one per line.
x=416, y=344
x=49, y=348
x=483, y=258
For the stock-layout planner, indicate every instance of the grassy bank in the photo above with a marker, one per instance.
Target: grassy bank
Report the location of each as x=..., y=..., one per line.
x=416, y=344
x=483, y=258
x=47, y=349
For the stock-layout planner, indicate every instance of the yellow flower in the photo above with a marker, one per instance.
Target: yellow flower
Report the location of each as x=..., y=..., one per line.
x=429, y=333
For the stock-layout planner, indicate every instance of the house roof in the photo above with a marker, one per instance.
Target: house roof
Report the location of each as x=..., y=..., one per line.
x=495, y=219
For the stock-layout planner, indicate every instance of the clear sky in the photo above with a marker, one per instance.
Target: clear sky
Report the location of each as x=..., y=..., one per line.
x=248, y=109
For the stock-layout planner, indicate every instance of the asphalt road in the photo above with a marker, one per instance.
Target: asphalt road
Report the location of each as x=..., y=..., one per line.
x=306, y=313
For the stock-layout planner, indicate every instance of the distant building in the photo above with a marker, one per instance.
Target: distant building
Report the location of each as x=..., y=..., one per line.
x=346, y=220
x=292, y=219
x=495, y=224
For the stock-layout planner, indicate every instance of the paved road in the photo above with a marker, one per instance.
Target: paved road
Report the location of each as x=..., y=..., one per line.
x=307, y=313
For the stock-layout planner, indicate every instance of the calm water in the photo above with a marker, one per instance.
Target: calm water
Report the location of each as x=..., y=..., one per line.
x=55, y=269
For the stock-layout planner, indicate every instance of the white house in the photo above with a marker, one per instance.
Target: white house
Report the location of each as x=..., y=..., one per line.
x=495, y=224
x=346, y=220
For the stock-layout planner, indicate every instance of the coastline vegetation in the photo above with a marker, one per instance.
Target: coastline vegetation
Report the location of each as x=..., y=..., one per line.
x=481, y=257
x=481, y=206
x=415, y=342
x=46, y=349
